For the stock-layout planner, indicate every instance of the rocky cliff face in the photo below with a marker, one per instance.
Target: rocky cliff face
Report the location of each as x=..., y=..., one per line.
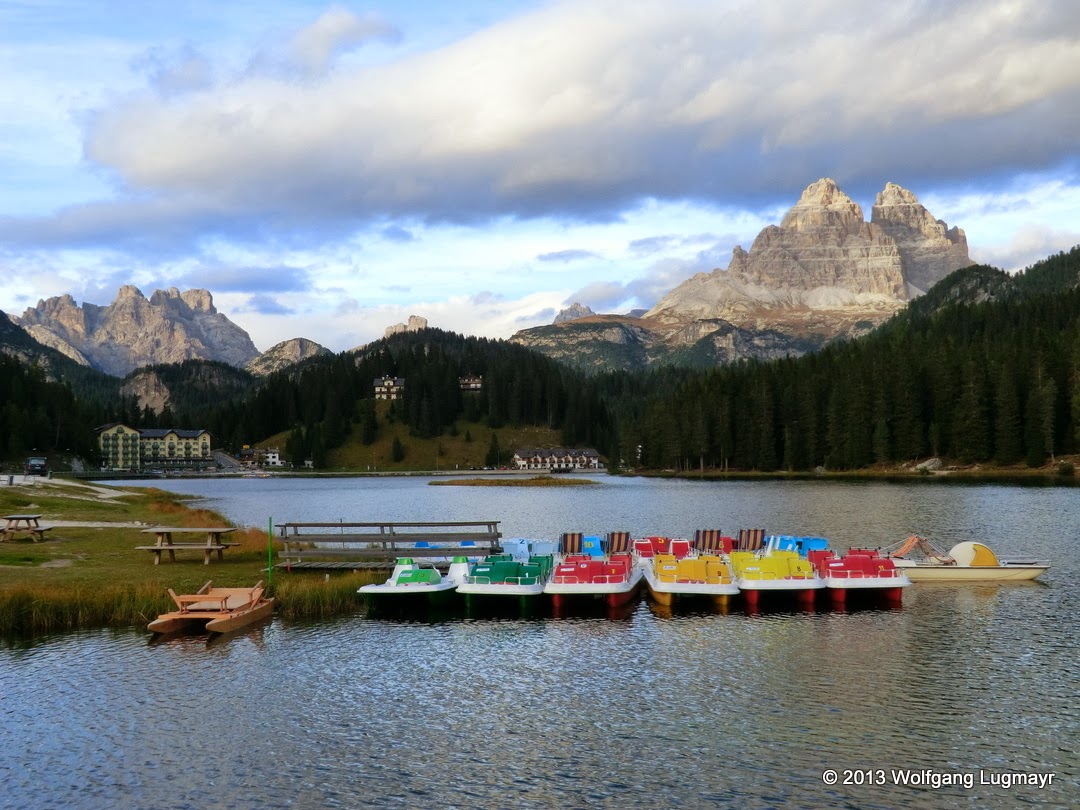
x=148, y=390
x=415, y=324
x=285, y=354
x=929, y=249
x=572, y=313
x=822, y=273
x=132, y=331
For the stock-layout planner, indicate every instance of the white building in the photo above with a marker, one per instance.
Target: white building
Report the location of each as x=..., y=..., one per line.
x=558, y=458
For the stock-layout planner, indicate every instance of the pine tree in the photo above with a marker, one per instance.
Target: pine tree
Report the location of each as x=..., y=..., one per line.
x=397, y=450
x=1008, y=436
x=492, y=459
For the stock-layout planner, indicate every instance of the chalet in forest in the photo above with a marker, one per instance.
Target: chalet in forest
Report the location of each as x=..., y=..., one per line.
x=558, y=458
x=127, y=448
x=389, y=387
x=472, y=382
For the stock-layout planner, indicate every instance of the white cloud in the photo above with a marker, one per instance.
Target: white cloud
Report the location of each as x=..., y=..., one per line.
x=583, y=108
x=337, y=29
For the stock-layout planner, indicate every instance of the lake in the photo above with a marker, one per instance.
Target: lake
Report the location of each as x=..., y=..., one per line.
x=939, y=703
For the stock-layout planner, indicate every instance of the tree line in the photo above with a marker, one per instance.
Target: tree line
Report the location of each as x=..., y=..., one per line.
x=985, y=368
x=994, y=381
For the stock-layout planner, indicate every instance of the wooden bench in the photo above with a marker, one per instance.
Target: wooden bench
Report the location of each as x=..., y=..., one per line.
x=23, y=524
x=165, y=542
x=382, y=543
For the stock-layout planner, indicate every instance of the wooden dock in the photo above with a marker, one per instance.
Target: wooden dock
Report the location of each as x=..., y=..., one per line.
x=360, y=546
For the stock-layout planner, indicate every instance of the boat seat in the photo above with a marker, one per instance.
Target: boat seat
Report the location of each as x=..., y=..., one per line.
x=419, y=576
x=742, y=559
x=593, y=546
x=691, y=570
x=680, y=548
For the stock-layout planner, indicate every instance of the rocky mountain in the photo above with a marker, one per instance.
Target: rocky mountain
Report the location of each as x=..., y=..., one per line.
x=572, y=313
x=186, y=386
x=285, y=354
x=415, y=324
x=822, y=273
x=134, y=331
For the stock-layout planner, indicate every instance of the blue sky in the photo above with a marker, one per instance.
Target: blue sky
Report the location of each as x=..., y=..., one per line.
x=326, y=170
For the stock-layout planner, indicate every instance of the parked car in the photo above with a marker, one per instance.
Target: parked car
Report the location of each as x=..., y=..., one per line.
x=36, y=465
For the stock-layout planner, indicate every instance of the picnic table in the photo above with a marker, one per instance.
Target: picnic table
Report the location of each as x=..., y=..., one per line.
x=165, y=542
x=23, y=523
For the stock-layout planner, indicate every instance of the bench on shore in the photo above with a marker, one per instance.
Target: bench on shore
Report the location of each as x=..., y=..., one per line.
x=378, y=545
x=213, y=543
x=23, y=524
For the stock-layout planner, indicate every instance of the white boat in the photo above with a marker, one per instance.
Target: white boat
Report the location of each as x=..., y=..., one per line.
x=587, y=571
x=775, y=571
x=679, y=572
x=411, y=580
x=501, y=576
x=862, y=571
x=922, y=561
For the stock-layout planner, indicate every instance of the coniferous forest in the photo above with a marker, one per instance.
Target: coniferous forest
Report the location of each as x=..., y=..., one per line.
x=985, y=368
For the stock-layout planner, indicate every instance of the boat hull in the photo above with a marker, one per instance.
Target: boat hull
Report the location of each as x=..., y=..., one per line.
x=212, y=621
x=613, y=593
x=805, y=590
x=667, y=593
x=956, y=573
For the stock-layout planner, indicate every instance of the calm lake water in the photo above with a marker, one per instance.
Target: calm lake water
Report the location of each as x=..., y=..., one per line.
x=964, y=682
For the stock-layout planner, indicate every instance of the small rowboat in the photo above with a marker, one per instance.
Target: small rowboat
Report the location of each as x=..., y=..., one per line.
x=217, y=610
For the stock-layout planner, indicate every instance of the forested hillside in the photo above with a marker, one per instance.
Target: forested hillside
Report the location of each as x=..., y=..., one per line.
x=38, y=414
x=322, y=400
x=985, y=368
x=997, y=380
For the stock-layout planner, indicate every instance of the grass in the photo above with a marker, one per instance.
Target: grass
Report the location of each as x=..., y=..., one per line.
x=444, y=452
x=535, y=481
x=83, y=577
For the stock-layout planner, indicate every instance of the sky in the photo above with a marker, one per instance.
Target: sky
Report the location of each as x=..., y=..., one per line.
x=328, y=169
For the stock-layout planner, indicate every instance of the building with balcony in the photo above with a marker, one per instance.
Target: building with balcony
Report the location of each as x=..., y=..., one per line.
x=128, y=448
x=389, y=387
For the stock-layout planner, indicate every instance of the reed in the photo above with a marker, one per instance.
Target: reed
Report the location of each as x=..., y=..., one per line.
x=32, y=609
x=307, y=597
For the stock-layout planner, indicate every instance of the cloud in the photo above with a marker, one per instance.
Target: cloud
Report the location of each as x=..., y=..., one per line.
x=566, y=256
x=600, y=296
x=267, y=305
x=1030, y=244
x=248, y=279
x=668, y=243
x=582, y=109
x=172, y=74
x=660, y=278
x=395, y=233
x=336, y=30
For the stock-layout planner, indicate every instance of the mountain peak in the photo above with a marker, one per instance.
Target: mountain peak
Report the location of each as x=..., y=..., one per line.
x=823, y=204
x=572, y=313
x=894, y=194
x=132, y=331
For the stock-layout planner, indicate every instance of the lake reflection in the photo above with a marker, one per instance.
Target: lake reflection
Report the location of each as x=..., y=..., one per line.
x=646, y=707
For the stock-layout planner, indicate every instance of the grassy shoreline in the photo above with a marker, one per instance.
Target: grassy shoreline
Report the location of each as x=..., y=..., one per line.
x=91, y=575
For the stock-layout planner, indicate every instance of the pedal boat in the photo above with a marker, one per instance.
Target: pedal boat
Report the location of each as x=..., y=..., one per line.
x=500, y=576
x=860, y=571
x=673, y=572
x=922, y=561
x=614, y=580
x=216, y=610
x=413, y=580
x=775, y=572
